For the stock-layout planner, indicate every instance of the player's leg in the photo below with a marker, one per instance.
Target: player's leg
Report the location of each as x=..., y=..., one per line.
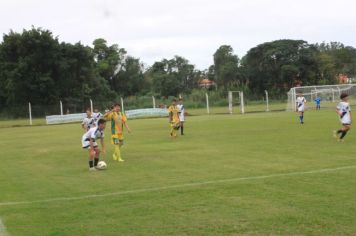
x=91, y=153
x=301, y=117
x=182, y=127
x=91, y=159
x=172, y=132
x=96, y=156
x=121, y=143
x=114, y=141
x=344, y=131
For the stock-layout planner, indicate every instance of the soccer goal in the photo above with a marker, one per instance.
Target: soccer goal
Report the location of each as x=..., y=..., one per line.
x=329, y=94
x=236, y=97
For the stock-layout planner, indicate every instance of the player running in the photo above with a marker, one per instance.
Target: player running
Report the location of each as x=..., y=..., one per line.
x=118, y=120
x=301, y=101
x=89, y=143
x=343, y=110
x=174, y=118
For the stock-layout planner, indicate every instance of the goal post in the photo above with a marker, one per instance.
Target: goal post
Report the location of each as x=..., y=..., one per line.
x=240, y=96
x=329, y=94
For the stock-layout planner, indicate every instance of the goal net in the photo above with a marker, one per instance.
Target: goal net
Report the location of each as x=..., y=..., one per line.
x=329, y=94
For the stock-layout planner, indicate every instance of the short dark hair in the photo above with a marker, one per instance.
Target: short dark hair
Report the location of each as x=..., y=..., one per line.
x=101, y=121
x=174, y=100
x=117, y=104
x=343, y=95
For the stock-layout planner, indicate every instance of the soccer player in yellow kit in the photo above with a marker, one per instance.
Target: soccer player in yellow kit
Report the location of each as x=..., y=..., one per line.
x=118, y=120
x=174, y=118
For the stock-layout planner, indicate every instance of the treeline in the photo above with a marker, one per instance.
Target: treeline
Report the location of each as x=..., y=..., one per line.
x=36, y=67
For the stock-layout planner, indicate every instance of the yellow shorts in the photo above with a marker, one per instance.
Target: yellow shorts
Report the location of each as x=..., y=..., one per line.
x=117, y=139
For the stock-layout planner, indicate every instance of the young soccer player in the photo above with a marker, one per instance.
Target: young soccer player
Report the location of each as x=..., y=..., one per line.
x=181, y=113
x=317, y=102
x=89, y=143
x=118, y=120
x=301, y=101
x=96, y=115
x=173, y=118
x=343, y=110
x=88, y=122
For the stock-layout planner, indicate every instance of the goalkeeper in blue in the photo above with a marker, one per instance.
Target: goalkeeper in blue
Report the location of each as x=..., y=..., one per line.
x=343, y=110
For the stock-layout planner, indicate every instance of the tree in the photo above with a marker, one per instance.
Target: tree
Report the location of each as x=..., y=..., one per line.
x=173, y=77
x=130, y=79
x=276, y=66
x=108, y=60
x=226, y=71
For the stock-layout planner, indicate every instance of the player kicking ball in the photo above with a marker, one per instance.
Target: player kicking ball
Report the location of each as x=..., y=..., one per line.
x=301, y=101
x=343, y=110
x=89, y=143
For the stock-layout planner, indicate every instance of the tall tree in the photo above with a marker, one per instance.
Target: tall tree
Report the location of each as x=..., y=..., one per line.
x=226, y=63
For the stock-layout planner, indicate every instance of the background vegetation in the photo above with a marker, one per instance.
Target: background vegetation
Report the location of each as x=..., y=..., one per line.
x=36, y=67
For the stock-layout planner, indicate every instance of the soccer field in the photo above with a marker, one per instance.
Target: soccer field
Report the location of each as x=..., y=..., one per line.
x=252, y=174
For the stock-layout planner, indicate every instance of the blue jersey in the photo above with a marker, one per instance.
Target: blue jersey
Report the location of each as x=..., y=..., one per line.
x=317, y=100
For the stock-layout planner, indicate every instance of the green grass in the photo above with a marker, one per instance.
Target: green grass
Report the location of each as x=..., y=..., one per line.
x=46, y=162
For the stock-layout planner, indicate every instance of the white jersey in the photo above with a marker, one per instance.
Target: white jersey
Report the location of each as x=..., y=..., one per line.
x=181, y=112
x=301, y=103
x=92, y=134
x=88, y=123
x=96, y=117
x=345, y=110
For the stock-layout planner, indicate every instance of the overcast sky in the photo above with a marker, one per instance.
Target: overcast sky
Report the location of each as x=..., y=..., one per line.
x=194, y=29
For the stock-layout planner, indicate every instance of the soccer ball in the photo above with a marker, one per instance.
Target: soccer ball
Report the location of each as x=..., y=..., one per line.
x=101, y=165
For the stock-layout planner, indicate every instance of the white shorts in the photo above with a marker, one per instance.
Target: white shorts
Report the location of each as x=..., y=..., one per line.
x=346, y=121
x=301, y=109
x=86, y=144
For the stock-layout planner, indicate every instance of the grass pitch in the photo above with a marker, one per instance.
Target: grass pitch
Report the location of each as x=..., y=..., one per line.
x=253, y=174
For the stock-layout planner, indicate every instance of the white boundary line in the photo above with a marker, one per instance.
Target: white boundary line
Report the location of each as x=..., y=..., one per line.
x=62, y=199
x=3, y=231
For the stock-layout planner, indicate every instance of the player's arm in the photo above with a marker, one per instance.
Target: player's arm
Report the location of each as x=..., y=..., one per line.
x=338, y=112
x=124, y=121
x=107, y=114
x=127, y=127
x=83, y=126
x=91, y=143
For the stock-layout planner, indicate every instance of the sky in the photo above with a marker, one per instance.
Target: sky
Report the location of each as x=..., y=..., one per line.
x=155, y=29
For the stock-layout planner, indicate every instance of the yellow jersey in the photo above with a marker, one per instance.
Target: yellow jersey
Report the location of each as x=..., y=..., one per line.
x=116, y=127
x=173, y=112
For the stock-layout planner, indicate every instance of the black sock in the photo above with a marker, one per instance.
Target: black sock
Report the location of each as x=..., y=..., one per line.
x=181, y=130
x=339, y=131
x=91, y=164
x=343, y=134
x=96, y=160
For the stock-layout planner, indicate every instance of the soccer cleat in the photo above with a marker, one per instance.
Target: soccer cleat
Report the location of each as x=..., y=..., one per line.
x=121, y=160
x=92, y=169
